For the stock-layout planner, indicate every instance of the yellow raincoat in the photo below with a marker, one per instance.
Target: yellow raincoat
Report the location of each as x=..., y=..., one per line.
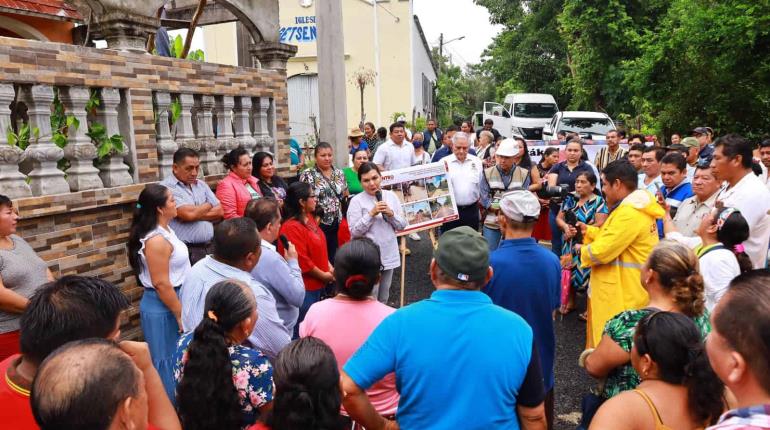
x=615, y=252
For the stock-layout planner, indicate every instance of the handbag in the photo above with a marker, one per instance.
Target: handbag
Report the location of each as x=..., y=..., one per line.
x=590, y=403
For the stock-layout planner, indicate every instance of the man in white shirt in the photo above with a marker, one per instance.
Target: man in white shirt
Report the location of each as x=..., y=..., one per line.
x=464, y=171
x=396, y=152
x=764, y=157
x=650, y=180
x=744, y=191
x=692, y=210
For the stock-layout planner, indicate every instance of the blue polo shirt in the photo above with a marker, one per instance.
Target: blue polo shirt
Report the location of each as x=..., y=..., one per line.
x=460, y=362
x=531, y=290
x=674, y=198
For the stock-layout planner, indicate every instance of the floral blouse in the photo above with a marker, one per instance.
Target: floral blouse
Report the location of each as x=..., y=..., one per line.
x=252, y=376
x=621, y=329
x=329, y=192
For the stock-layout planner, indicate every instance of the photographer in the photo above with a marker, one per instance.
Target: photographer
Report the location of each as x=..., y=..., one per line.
x=564, y=173
x=584, y=205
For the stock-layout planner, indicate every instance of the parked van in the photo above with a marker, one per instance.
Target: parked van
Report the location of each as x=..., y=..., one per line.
x=522, y=114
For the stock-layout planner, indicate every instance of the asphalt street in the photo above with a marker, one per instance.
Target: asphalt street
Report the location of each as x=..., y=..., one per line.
x=571, y=381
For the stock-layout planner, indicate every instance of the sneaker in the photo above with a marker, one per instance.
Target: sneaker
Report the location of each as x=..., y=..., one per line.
x=414, y=236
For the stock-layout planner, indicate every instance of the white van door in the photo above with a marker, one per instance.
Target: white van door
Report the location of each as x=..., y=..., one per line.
x=501, y=117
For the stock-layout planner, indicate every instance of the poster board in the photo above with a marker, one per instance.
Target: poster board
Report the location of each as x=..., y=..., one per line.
x=425, y=193
x=538, y=147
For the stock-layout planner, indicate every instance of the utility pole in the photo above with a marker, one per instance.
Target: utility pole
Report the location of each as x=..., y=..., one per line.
x=331, y=78
x=441, y=46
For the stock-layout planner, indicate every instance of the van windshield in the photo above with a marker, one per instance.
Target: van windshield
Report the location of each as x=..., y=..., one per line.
x=534, y=110
x=585, y=125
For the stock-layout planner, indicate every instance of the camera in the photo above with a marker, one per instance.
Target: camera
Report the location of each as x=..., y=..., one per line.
x=571, y=219
x=559, y=191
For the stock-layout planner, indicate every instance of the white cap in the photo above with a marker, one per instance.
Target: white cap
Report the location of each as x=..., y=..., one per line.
x=520, y=205
x=401, y=119
x=508, y=148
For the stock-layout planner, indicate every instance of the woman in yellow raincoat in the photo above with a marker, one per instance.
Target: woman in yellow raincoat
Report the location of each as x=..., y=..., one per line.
x=616, y=251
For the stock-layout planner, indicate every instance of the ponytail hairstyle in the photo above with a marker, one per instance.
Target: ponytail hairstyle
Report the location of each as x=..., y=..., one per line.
x=674, y=343
x=307, y=388
x=677, y=270
x=357, y=268
x=732, y=231
x=232, y=158
x=206, y=395
x=152, y=197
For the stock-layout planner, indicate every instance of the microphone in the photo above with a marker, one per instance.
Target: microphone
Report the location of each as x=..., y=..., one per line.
x=378, y=195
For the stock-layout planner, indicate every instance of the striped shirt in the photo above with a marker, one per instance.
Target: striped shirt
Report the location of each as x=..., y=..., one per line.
x=195, y=232
x=752, y=418
x=269, y=335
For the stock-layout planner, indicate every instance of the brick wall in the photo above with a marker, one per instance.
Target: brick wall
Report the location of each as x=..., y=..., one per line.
x=85, y=232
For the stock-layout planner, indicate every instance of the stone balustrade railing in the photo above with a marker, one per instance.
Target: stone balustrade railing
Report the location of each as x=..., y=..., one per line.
x=212, y=125
x=31, y=164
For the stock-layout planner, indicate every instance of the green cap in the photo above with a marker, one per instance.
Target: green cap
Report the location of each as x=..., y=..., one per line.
x=463, y=254
x=690, y=142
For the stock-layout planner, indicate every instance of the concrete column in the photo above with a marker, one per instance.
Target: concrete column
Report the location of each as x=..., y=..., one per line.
x=45, y=177
x=331, y=78
x=12, y=181
x=209, y=144
x=163, y=140
x=272, y=55
x=82, y=175
x=112, y=169
x=226, y=139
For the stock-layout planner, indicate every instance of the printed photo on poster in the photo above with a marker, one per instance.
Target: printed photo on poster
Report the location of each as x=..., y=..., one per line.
x=425, y=194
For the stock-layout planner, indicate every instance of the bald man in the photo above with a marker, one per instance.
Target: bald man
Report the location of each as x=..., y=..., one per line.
x=98, y=384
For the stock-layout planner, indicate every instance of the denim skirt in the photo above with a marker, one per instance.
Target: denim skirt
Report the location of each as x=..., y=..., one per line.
x=161, y=333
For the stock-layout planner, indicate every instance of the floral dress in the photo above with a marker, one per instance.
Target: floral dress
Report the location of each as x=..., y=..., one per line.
x=621, y=329
x=585, y=214
x=252, y=376
x=329, y=192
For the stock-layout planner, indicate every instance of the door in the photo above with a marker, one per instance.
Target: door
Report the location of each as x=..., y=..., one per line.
x=303, y=107
x=500, y=116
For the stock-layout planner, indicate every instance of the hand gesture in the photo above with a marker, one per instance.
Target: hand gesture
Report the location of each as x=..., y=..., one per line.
x=569, y=232
x=583, y=228
x=139, y=353
x=385, y=209
x=291, y=252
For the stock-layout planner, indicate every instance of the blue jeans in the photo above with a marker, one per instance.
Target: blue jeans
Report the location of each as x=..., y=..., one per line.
x=161, y=333
x=556, y=240
x=310, y=298
x=492, y=236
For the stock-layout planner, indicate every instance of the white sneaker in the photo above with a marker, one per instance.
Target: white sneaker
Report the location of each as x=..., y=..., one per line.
x=414, y=236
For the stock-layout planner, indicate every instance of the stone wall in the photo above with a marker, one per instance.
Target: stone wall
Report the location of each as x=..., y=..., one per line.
x=85, y=232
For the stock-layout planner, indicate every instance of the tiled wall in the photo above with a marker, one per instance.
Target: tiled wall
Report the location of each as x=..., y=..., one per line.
x=86, y=232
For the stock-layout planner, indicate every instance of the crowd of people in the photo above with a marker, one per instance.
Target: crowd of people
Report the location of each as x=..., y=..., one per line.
x=265, y=304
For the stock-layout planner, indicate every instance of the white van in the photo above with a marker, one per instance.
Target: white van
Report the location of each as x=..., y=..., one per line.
x=522, y=115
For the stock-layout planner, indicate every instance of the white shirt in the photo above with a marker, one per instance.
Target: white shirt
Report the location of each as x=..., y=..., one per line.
x=178, y=263
x=465, y=178
x=691, y=212
x=651, y=186
x=718, y=267
x=751, y=196
x=380, y=229
x=690, y=173
x=422, y=159
x=391, y=156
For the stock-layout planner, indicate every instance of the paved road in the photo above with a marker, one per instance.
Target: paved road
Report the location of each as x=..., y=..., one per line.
x=571, y=381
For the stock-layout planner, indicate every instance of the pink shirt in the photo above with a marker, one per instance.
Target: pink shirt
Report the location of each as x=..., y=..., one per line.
x=345, y=325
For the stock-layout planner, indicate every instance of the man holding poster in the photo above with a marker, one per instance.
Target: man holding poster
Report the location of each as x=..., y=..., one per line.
x=464, y=172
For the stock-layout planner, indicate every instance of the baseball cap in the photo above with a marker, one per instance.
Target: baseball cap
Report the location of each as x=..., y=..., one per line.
x=463, y=254
x=401, y=119
x=700, y=130
x=508, y=148
x=355, y=132
x=690, y=142
x=520, y=206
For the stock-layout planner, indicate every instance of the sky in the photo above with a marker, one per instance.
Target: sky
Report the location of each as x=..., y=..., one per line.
x=457, y=18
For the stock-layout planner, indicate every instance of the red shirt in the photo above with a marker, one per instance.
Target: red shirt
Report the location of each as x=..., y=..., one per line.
x=310, y=242
x=259, y=426
x=15, y=410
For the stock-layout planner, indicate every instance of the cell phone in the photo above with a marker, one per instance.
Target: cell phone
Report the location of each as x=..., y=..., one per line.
x=284, y=241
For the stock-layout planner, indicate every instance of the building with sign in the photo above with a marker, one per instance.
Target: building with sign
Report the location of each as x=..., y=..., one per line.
x=386, y=41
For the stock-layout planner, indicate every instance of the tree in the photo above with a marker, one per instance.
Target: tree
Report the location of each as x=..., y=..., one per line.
x=362, y=78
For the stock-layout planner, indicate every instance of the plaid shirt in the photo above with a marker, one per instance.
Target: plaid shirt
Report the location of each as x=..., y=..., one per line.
x=751, y=418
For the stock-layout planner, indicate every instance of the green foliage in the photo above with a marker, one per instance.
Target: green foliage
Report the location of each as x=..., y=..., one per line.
x=105, y=145
x=177, y=46
x=459, y=93
x=61, y=123
x=176, y=110
x=23, y=136
x=658, y=65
